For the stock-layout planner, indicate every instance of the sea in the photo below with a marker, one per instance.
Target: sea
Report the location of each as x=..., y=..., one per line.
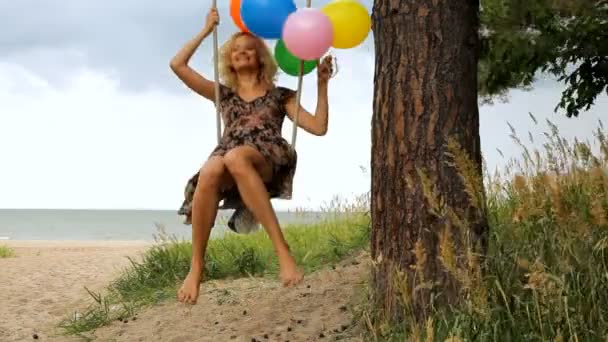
x=115, y=225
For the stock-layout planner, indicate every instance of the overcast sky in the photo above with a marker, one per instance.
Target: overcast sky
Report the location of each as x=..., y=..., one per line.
x=91, y=116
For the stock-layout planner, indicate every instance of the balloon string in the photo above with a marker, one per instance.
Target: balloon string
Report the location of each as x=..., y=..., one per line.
x=218, y=117
x=294, y=134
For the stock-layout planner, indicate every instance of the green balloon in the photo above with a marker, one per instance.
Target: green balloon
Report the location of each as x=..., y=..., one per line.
x=289, y=63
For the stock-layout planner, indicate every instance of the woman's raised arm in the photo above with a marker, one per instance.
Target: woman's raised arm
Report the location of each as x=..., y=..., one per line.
x=179, y=63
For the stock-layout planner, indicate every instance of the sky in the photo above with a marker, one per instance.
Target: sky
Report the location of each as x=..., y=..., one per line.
x=92, y=117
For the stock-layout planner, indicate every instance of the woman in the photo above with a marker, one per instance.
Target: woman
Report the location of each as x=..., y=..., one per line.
x=252, y=162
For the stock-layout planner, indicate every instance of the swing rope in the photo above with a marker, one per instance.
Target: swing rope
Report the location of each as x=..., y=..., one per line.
x=217, y=86
x=216, y=71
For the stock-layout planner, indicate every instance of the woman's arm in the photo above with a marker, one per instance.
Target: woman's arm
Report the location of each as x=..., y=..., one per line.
x=179, y=63
x=314, y=124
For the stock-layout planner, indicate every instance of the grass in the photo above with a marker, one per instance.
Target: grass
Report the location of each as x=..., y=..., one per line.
x=545, y=274
x=6, y=252
x=546, y=271
x=162, y=268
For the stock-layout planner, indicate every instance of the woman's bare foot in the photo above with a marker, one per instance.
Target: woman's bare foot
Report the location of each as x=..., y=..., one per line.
x=188, y=293
x=290, y=274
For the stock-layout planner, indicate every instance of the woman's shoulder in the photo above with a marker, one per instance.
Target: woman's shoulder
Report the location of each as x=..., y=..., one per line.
x=225, y=91
x=284, y=93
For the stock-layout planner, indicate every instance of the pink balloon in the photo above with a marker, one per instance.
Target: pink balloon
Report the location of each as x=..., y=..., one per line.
x=308, y=33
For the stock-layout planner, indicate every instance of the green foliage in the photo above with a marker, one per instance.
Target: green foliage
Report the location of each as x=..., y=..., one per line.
x=156, y=276
x=6, y=252
x=565, y=38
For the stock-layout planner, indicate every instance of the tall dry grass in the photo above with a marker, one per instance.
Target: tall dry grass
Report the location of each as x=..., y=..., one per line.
x=545, y=275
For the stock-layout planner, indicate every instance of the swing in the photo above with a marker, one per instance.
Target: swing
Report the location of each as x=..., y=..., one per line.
x=347, y=23
x=246, y=222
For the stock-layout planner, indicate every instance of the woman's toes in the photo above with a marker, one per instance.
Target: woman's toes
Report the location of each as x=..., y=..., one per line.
x=183, y=296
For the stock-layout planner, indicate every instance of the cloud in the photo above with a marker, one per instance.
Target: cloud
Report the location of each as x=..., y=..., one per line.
x=132, y=40
x=91, y=117
x=95, y=118
x=88, y=144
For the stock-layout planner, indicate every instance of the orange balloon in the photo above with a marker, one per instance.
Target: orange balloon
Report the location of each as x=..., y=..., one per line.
x=235, y=13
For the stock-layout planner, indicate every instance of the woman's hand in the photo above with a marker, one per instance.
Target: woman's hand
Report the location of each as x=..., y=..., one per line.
x=325, y=70
x=213, y=18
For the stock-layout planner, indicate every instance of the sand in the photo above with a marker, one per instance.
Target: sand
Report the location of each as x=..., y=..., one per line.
x=45, y=282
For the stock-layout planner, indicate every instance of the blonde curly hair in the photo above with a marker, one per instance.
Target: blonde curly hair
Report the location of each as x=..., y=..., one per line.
x=268, y=67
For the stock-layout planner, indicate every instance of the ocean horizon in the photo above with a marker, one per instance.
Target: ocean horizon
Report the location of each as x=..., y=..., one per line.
x=114, y=224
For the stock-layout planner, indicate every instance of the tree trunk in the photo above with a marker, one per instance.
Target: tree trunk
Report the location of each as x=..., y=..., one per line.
x=425, y=93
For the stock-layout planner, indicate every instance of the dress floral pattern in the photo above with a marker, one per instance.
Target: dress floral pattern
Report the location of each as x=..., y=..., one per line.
x=258, y=124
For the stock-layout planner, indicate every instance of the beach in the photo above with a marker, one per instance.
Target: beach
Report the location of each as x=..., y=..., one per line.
x=255, y=309
x=45, y=282
x=59, y=254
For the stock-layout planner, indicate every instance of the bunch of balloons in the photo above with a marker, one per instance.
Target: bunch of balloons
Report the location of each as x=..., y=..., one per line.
x=302, y=33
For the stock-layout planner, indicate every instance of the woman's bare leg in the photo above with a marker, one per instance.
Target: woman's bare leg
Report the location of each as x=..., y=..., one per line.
x=249, y=169
x=212, y=176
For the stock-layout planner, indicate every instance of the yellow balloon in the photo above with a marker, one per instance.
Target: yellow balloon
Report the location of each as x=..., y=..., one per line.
x=350, y=20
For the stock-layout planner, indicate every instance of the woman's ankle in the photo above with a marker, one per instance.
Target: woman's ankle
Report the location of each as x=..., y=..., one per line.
x=285, y=257
x=197, y=266
x=282, y=250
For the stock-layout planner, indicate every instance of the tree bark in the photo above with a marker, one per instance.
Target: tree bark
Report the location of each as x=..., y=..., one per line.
x=425, y=92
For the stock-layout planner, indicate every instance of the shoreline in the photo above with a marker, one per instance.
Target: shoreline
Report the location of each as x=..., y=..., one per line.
x=76, y=243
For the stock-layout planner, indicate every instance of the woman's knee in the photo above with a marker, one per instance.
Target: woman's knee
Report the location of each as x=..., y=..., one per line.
x=237, y=161
x=211, y=174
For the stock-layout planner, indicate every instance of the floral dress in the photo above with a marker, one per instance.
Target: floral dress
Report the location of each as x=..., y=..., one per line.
x=258, y=124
